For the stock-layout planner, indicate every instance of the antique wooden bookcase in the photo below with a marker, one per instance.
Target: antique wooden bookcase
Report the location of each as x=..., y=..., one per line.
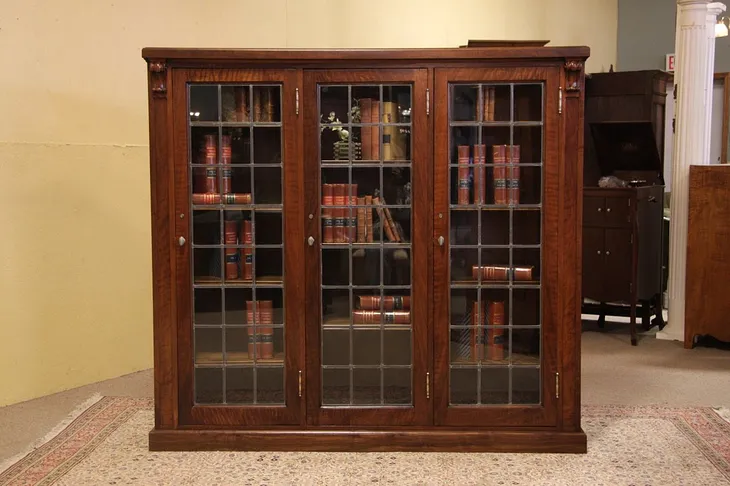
x=367, y=249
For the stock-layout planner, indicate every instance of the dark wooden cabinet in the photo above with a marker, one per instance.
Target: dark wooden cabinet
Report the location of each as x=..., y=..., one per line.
x=367, y=250
x=622, y=226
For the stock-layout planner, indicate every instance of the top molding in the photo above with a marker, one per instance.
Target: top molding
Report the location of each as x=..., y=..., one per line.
x=326, y=55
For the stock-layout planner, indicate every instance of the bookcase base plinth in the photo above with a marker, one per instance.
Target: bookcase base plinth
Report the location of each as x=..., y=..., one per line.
x=363, y=440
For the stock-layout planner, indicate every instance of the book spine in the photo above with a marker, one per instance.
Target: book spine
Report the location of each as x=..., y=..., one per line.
x=258, y=107
x=390, y=302
x=226, y=163
x=362, y=224
x=463, y=172
x=369, y=219
x=366, y=131
x=352, y=214
x=266, y=330
x=477, y=331
x=397, y=237
x=253, y=323
x=375, y=130
x=480, y=176
x=514, y=185
x=340, y=212
x=492, y=102
x=241, y=102
x=485, y=103
x=328, y=221
x=206, y=198
x=502, y=273
x=247, y=239
x=373, y=317
x=268, y=109
x=390, y=132
x=495, y=335
x=230, y=238
x=211, y=158
x=500, y=174
x=244, y=198
x=251, y=338
x=387, y=229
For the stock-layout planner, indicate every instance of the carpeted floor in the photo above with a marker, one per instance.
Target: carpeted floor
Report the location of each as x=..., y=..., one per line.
x=647, y=445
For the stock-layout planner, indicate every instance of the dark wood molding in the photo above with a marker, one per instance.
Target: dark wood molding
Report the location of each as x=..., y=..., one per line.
x=158, y=78
x=369, y=440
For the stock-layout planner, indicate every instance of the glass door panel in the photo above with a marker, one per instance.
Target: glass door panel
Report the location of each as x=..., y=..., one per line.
x=493, y=160
x=237, y=232
x=367, y=258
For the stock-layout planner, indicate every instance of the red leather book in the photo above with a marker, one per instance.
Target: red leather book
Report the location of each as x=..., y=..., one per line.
x=362, y=224
x=229, y=237
x=476, y=341
x=251, y=338
x=352, y=214
x=495, y=335
x=480, y=174
x=268, y=108
x=241, y=101
x=502, y=273
x=265, y=330
x=389, y=218
x=258, y=105
x=211, y=158
x=390, y=302
x=207, y=198
x=226, y=161
x=499, y=157
x=328, y=222
x=366, y=131
x=375, y=130
x=340, y=212
x=463, y=171
x=253, y=323
x=514, y=179
x=247, y=239
x=369, y=219
x=373, y=317
x=387, y=230
x=244, y=198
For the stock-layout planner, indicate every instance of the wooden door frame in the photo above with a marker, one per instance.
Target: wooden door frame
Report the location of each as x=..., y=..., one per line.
x=191, y=414
x=421, y=411
x=547, y=414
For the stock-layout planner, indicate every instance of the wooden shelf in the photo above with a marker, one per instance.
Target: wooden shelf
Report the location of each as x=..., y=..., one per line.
x=271, y=208
x=495, y=283
x=235, y=358
x=515, y=359
x=273, y=281
x=496, y=207
x=344, y=323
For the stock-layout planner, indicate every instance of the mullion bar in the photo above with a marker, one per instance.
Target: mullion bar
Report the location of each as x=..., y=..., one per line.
x=480, y=330
x=221, y=252
x=511, y=231
x=379, y=126
x=254, y=262
x=350, y=149
x=192, y=232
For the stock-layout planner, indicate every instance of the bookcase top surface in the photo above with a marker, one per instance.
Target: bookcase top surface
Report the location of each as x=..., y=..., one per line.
x=310, y=55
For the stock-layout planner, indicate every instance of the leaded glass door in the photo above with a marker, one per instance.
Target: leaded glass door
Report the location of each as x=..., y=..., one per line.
x=367, y=168
x=495, y=304
x=237, y=216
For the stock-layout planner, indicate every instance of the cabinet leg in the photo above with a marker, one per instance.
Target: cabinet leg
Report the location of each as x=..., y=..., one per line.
x=633, y=323
x=658, y=316
x=601, y=321
x=646, y=315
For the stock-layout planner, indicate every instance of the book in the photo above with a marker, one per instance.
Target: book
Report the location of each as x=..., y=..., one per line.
x=374, y=317
x=514, y=176
x=375, y=130
x=214, y=198
x=226, y=161
x=499, y=158
x=253, y=317
x=267, y=114
x=369, y=219
x=211, y=158
x=463, y=172
x=247, y=239
x=265, y=340
x=241, y=104
x=476, y=338
x=258, y=105
x=502, y=273
x=390, y=302
x=366, y=131
x=328, y=222
x=492, y=101
x=362, y=224
x=495, y=335
x=230, y=238
x=394, y=143
x=485, y=103
x=352, y=210
x=340, y=195
x=480, y=174
x=387, y=228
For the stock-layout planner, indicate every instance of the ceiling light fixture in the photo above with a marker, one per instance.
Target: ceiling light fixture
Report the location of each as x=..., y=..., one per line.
x=721, y=29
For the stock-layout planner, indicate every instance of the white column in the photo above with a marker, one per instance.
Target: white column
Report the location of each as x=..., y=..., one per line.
x=695, y=62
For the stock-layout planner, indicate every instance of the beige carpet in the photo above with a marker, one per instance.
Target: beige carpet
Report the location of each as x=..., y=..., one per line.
x=647, y=445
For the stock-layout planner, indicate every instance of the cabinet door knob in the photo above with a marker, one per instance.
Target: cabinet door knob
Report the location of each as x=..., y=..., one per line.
x=599, y=252
x=608, y=252
x=608, y=210
x=310, y=240
x=441, y=241
x=600, y=209
x=181, y=241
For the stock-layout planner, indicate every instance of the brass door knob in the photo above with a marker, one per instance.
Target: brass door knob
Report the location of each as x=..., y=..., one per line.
x=310, y=240
x=441, y=241
x=181, y=241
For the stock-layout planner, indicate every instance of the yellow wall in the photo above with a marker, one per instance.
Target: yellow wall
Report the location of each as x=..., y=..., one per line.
x=75, y=283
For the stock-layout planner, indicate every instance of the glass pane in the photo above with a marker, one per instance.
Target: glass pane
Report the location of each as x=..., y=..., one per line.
x=365, y=249
x=237, y=243
x=495, y=170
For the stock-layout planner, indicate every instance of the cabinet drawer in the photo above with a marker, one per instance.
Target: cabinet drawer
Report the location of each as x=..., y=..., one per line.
x=617, y=212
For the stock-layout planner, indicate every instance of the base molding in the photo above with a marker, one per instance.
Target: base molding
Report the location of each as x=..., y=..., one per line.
x=368, y=440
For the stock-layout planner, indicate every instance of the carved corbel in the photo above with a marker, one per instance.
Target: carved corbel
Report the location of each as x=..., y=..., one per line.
x=158, y=78
x=573, y=78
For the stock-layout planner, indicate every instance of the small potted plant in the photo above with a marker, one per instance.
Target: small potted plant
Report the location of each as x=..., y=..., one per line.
x=341, y=148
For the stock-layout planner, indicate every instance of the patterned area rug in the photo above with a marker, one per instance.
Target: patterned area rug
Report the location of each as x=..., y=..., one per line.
x=107, y=444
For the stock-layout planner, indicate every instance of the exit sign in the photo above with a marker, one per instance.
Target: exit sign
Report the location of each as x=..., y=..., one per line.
x=669, y=65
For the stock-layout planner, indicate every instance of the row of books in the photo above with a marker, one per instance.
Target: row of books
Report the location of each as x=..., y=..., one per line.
x=340, y=226
x=260, y=342
x=235, y=265
x=472, y=174
x=502, y=272
x=263, y=104
x=488, y=102
x=396, y=309
x=477, y=342
x=394, y=142
x=205, y=183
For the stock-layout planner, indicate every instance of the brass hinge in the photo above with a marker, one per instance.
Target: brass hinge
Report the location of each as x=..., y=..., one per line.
x=557, y=385
x=560, y=100
x=296, y=97
x=300, y=383
x=428, y=385
x=428, y=101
